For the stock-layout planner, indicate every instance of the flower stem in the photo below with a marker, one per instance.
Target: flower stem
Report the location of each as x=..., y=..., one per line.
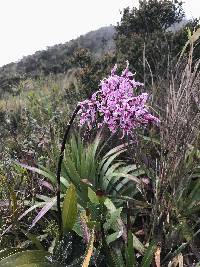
x=60, y=165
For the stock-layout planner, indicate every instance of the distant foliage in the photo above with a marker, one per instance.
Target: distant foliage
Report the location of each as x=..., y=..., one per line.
x=146, y=36
x=55, y=59
x=151, y=16
x=90, y=70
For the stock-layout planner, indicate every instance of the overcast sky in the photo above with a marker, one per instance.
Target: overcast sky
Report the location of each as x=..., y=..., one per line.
x=30, y=25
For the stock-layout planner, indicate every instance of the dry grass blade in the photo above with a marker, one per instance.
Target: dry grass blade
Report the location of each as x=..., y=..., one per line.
x=157, y=256
x=180, y=127
x=181, y=121
x=177, y=261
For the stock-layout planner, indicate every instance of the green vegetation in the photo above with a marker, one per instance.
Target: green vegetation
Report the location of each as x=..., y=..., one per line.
x=120, y=202
x=55, y=59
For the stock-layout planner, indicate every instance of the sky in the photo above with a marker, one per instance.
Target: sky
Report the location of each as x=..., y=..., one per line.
x=27, y=26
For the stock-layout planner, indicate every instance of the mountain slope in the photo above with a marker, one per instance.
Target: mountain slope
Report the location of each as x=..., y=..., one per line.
x=56, y=59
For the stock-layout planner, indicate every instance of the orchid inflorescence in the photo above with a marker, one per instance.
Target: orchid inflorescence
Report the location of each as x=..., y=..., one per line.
x=116, y=105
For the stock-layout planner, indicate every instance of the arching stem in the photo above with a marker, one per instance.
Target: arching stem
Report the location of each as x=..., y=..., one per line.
x=60, y=165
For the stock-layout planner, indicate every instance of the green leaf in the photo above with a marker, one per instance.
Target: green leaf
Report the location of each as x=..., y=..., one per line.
x=27, y=258
x=92, y=196
x=109, y=174
x=117, y=259
x=195, y=194
x=108, y=162
x=149, y=253
x=78, y=229
x=112, y=219
x=46, y=174
x=129, y=251
x=112, y=237
x=186, y=229
x=150, y=139
x=33, y=238
x=13, y=201
x=138, y=245
x=8, y=252
x=109, y=205
x=71, y=171
x=69, y=211
x=95, y=211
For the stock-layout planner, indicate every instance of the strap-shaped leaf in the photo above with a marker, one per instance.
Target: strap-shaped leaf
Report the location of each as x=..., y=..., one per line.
x=45, y=173
x=137, y=244
x=29, y=258
x=43, y=211
x=8, y=252
x=69, y=211
x=149, y=254
x=129, y=251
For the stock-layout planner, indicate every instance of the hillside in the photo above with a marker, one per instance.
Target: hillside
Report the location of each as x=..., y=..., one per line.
x=57, y=58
